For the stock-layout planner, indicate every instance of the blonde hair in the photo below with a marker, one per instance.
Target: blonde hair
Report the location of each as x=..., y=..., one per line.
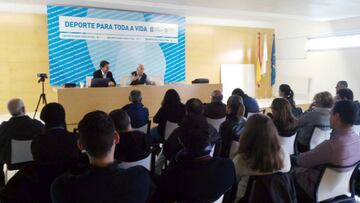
x=324, y=100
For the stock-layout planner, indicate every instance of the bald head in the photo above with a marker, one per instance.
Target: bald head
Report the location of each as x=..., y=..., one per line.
x=216, y=96
x=16, y=107
x=140, y=69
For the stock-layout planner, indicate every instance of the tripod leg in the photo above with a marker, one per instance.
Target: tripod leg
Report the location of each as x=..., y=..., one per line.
x=37, y=106
x=44, y=101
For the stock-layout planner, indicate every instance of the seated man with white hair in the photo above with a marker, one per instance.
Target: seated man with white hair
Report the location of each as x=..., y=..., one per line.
x=138, y=77
x=18, y=127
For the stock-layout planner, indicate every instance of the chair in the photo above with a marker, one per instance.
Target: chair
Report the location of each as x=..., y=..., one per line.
x=169, y=128
x=319, y=134
x=233, y=149
x=145, y=128
x=143, y=162
x=20, y=156
x=252, y=113
x=334, y=185
x=288, y=143
x=216, y=122
x=357, y=129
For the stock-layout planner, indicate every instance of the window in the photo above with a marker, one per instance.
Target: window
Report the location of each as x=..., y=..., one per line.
x=335, y=42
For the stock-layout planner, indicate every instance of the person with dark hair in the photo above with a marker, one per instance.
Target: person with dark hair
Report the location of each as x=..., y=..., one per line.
x=104, y=181
x=348, y=95
x=104, y=72
x=341, y=85
x=171, y=110
x=139, y=114
x=134, y=145
x=286, y=92
x=231, y=129
x=259, y=152
x=216, y=109
x=318, y=114
x=54, y=151
x=284, y=120
x=172, y=146
x=342, y=149
x=251, y=105
x=195, y=176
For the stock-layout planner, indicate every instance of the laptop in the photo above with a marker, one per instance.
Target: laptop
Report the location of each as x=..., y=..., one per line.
x=100, y=82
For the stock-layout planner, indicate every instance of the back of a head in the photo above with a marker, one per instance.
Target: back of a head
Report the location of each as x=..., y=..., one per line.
x=342, y=84
x=16, y=107
x=216, y=96
x=121, y=119
x=238, y=92
x=135, y=96
x=194, y=106
x=236, y=106
x=324, y=100
x=194, y=134
x=171, y=98
x=345, y=94
x=346, y=111
x=96, y=131
x=260, y=145
x=282, y=114
x=53, y=115
x=287, y=91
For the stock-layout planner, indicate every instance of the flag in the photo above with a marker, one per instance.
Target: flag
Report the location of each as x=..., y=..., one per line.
x=273, y=62
x=258, y=64
x=264, y=56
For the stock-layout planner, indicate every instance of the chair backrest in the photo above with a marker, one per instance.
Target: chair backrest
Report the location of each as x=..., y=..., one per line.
x=252, y=113
x=220, y=200
x=357, y=129
x=333, y=182
x=169, y=128
x=216, y=122
x=20, y=151
x=143, y=162
x=234, y=148
x=143, y=128
x=288, y=143
x=319, y=135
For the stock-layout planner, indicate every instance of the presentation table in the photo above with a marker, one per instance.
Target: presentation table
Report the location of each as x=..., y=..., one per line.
x=79, y=101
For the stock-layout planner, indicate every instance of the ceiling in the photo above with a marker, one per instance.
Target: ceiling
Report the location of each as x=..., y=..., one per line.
x=264, y=10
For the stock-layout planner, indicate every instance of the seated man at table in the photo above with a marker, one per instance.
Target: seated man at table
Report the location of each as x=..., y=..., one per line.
x=138, y=77
x=139, y=114
x=104, y=181
x=104, y=72
x=216, y=109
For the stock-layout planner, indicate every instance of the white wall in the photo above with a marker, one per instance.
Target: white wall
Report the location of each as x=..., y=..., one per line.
x=324, y=68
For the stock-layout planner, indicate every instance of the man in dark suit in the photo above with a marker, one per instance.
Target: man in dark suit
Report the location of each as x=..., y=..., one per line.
x=104, y=72
x=138, y=77
x=216, y=109
x=19, y=127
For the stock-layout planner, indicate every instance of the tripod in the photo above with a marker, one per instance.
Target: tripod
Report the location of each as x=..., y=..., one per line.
x=42, y=97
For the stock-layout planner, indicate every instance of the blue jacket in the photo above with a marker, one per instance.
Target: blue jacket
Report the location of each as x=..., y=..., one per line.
x=139, y=115
x=250, y=104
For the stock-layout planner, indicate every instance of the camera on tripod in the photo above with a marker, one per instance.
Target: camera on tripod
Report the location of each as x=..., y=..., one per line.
x=42, y=77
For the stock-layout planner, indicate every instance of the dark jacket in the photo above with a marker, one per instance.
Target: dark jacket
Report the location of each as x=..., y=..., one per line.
x=173, y=114
x=215, y=110
x=139, y=115
x=357, y=109
x=133, y=146
x=139, y=81
x=172, y=146
x=109, y=75
x=230, y=130
x=196, y=180
x=17, y=128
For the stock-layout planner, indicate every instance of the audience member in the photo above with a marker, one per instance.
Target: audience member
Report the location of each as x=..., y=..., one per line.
x=171, y=110
x=286, y=92
x=231, y=129
x=318, y=114
x=251, y=105
x=259, y=152
x=216, y=109
x=172, y=145
x=134, y=145
x=347, y=94
x=196, y=176
x=55, y=151
x=341, y=85
x=139, y=115
x=18, y=127
x=104, y=181
x=284, y=120
x=343, y=149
